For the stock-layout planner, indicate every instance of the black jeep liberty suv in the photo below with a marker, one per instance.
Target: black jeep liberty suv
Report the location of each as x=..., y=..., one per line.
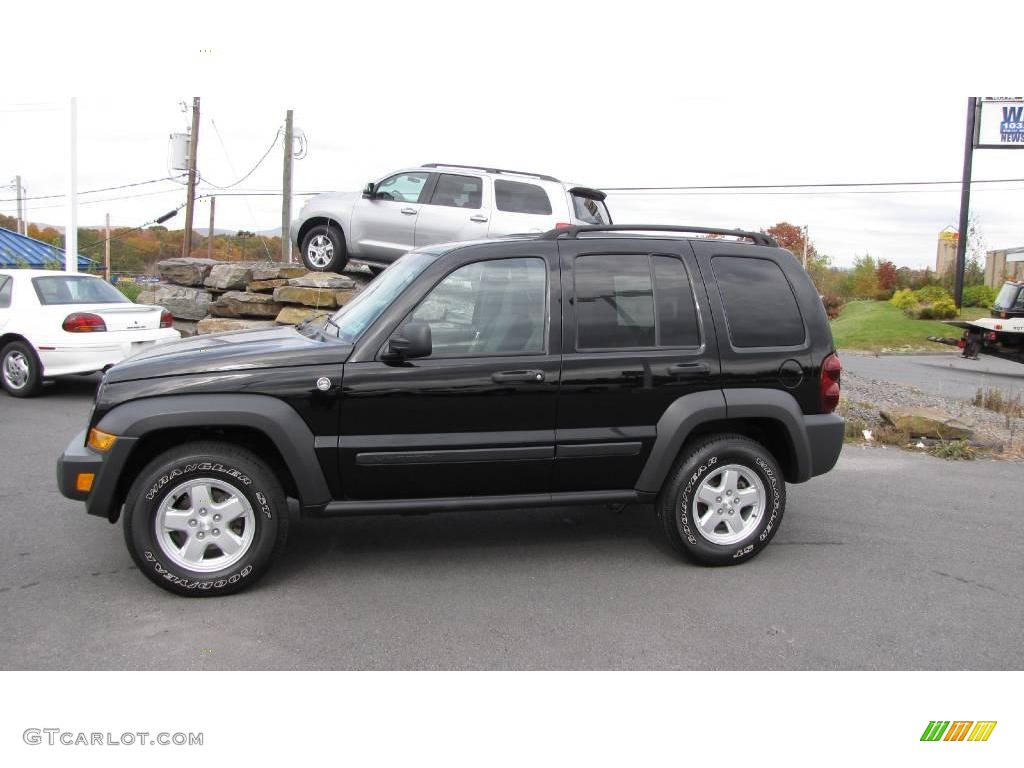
x=588, y=365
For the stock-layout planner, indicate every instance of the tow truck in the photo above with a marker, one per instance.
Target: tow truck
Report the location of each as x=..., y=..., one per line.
x=1001, y=334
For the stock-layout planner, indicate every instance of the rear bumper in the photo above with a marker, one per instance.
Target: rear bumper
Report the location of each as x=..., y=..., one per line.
x=103, y=499
x=825, y=435
x=63, y=360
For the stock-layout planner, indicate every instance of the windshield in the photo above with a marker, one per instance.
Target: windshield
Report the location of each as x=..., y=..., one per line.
x=76, y=289
x=1006, y=296
x=349, y=322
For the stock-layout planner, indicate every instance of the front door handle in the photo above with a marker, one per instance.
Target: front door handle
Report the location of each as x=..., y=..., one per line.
x=502, y=377
x=478, y=217
x=409, y=211
x=681, y=369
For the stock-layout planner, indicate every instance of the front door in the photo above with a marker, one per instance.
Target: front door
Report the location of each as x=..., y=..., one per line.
x=458, y=209
x=477, y=416
x=637, y=335
x=384, y=227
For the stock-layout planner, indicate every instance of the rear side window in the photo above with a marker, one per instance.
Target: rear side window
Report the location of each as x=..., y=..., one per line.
x=590, y=211
x=457, y=191
x=517, y=197
x=5, y=292
x=630, y=301
x=760, y=307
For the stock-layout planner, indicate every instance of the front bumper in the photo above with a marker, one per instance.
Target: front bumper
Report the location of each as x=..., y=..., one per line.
x=103, y=500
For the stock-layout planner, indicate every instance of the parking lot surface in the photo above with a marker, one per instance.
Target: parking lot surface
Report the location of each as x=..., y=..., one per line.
x=946, y=374
x=892, y=561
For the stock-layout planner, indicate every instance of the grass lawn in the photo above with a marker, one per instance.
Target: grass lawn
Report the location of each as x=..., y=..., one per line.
x=877, y=325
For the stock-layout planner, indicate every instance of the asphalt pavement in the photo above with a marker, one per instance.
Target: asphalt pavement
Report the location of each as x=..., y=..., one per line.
x=892, y=561
x=944, y=373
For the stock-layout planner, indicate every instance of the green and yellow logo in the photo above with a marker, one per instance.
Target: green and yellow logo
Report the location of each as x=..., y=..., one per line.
x=958, y=730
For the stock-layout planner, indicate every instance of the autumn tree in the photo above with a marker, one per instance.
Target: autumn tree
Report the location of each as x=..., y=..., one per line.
x=887, y=275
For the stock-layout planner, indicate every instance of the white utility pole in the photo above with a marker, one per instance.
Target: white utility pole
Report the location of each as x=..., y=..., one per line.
x=17, y=189
x=106, y=253
x=806, y=236
x=71, y=222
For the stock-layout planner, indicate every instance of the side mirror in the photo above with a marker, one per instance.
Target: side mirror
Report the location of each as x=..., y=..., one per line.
x=370, y=191
x=412, y=340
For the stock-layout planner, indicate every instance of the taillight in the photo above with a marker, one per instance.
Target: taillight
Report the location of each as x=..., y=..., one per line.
x=83, y=322
x=831, y=368
x=563, y=225
x=166, y=319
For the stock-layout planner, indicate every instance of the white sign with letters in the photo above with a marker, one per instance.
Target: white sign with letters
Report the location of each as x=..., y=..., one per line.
x=1001, y=123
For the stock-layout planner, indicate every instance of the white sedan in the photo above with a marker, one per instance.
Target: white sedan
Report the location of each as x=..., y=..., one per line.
x=56, y=323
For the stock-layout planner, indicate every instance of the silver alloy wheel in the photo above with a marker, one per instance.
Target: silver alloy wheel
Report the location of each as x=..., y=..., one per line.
x=205, y=525
x=16, y=370
x=729, y=504
x=320, y=251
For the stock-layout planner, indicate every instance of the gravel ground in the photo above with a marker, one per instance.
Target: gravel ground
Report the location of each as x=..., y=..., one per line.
x=866, y=397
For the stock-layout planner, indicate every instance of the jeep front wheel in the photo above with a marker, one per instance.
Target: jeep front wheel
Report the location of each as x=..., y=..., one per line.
x=723, y=500
x=205, y=519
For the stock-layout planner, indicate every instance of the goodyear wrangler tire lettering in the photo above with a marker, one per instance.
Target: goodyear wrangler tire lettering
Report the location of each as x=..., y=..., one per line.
x=706, y=475
x=169, y=482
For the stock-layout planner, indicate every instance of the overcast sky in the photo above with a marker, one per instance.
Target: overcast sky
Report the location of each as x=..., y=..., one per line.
x=606, y=99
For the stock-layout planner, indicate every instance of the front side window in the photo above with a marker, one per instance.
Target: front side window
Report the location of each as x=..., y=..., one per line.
x=760, y=307
x=517, y=197
x=402, y=187
x=496, y=307
x=458, y=191
x=76, y=289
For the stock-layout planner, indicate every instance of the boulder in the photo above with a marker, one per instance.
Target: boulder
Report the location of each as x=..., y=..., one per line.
x=243, y=304
x=224, y=324
x=183, y=302
x=265, y=286
x=323, y=280
x=189, y=271
x=229, y=276
x=928, y=422
x=343, y=297
x=277, y=271
x=296, y=315
x=311, y=297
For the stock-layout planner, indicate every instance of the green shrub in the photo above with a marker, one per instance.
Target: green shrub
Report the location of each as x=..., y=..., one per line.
x=922, y=312
x=131, y=290
x=833, y=305
x=979, y=296
x=943, y=309
x=953, y=449
x=905, y=300
x=932, y=293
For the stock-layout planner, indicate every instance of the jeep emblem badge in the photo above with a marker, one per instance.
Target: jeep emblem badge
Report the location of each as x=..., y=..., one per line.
x=323, y=383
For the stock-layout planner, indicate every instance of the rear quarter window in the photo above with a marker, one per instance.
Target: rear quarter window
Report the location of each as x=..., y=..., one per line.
x=760, y=307
x=517, y=197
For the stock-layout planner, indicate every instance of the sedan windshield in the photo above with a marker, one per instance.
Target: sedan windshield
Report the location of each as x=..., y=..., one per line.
x=349, y=322
x=76, y=289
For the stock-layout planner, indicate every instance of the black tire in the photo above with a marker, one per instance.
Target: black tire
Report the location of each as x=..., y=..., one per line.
x=703, y=462
x=236, y=472
x=318, y=260
x=21, y=356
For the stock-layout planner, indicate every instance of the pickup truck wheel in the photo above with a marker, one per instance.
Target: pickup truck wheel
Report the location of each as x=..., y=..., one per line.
x=205, y=519
x=323, y=249
x=20, y=370
x=723, y=500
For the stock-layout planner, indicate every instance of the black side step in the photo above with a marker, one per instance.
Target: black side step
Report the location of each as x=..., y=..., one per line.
x=482, y=503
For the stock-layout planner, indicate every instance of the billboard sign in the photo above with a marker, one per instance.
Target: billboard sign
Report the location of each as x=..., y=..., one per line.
x=1000, y=123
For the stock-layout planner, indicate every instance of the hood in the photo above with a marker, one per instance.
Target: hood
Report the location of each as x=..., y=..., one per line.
x=234, y=351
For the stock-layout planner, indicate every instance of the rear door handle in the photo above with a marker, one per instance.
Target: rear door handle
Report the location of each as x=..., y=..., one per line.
x=409, y=211
x=478, y=217
x=681, y=369
x=502, y=377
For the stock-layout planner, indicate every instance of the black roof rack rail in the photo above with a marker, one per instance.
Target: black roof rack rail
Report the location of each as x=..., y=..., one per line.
x=490, y=170
x=758, y=238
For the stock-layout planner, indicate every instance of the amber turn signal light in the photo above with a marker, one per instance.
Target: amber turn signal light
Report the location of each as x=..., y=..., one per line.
x=100, y=441
x=84, y=481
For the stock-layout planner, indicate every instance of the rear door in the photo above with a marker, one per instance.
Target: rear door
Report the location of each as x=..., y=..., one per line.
x=457, y=208
x=637, y=335
x=383, y=228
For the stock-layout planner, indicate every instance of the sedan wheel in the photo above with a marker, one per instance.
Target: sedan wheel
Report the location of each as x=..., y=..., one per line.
x=20, y=370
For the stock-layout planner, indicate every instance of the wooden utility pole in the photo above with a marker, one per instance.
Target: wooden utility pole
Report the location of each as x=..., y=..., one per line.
x=106, y=252
x=193, y=143
x=965, y=203
x=806, y=236
x=286, y=201
x=17, y=186
x=209, y=234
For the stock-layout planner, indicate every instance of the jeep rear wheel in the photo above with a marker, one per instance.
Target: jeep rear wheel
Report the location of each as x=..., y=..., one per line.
x=723, y=500
x=205, y=519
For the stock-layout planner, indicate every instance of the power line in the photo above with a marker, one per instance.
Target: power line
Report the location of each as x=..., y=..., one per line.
x=92, y=191
x=251, y=172
x=804, y=186
x=110, y=199
x=157, y=220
